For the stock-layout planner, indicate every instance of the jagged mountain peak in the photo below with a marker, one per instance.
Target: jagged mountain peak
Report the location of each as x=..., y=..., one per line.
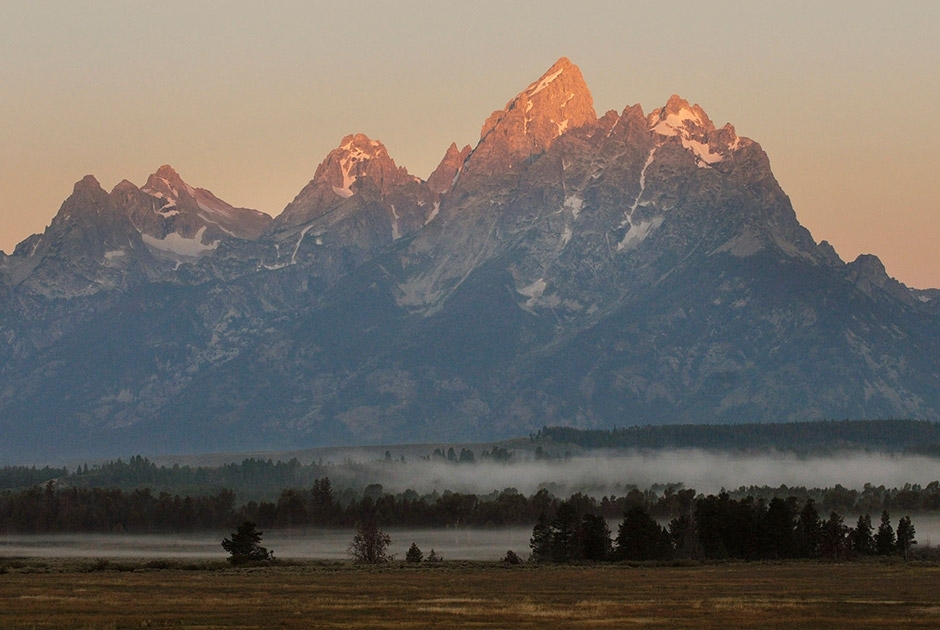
x=168, y=173
x=555, y=102
x=695, y=130
x=359, y=156
x=679, y=117
x=341, y=175
x=166, y=182
x=573, y=78
x=87, y=184
x=868, y=273
x=124, y=185
x=87, y=198
x=530, y=122
x=362, y=142
x=444, y=176
x=184, y=209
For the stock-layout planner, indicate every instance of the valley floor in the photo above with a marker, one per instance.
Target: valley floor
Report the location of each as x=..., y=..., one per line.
x=77, y=594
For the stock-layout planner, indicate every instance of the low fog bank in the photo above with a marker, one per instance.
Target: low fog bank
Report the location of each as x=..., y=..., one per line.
x=614, y=473
x=318, y=544
x=313, y=544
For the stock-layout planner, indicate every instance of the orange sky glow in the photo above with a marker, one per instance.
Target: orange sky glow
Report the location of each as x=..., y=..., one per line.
x=246, y=99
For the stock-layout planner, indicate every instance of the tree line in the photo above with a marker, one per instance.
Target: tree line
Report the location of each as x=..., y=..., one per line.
x=46, y=508
x=49, y=508
x=715, y=527
x=251, y=477
x=824, y=436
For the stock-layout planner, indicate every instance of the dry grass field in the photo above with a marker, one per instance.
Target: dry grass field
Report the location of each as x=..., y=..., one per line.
x=317, y=595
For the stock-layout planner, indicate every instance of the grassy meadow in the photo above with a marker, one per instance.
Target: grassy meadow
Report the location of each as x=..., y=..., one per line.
x=128, y=594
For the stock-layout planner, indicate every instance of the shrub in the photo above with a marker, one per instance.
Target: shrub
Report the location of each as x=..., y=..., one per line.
x=414, y=554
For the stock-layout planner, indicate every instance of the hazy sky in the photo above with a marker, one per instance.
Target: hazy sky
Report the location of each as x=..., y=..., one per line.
x=246, y=98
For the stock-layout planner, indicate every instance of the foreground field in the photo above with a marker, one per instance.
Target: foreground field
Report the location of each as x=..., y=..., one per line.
x=856, y=595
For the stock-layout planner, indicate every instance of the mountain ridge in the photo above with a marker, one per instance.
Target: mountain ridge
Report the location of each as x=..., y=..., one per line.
x=569, y=268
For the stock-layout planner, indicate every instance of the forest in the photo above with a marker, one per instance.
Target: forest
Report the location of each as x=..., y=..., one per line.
x=717, y=527
x=826, y=436
x=659, y=520
x=743, y=524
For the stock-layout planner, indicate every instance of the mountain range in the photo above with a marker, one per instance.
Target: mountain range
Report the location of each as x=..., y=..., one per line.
x=572, y=269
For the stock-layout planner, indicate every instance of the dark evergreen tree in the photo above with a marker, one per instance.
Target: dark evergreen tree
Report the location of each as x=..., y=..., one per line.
x=777, y=529
x=834, y=540
x=640, y=537
x=905, y=538
x=712, y=517
x=566, y=533
x=414, y=554
x=245, y=545
x=863, y=541
x=541, y=541
x=684, y=534
x=884, y=538
x=742, y=532
x=324, y=509
x=808, y=531
x=291, y=509
x=595, y=538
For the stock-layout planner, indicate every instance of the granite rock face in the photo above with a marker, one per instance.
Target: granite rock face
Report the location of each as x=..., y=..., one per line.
x=570, y=268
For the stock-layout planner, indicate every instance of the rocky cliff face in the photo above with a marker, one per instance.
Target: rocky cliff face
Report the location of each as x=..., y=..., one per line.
x=531, y=122
x=568, y=269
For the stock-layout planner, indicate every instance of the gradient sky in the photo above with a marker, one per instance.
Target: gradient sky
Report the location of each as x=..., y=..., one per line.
x=246, y=98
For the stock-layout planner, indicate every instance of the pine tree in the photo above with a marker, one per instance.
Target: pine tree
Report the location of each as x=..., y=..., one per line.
x=245, y=545
x=835, y=541
x=884, y=538
x=541, y=541
x=640, y=537
x=414, y=554
x=566, y=533
x=595, y=538
x=808, y=531
x=905, y=536
x=862, y=540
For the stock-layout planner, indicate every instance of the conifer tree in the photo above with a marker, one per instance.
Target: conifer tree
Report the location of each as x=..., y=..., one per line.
x=905, y=536
x=862, y=540
x=414, y=554
x=884, y=538
x=245, y=545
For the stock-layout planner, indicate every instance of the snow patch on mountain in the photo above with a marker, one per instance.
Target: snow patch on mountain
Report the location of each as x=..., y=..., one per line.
x=646, y=165
x=396, y=233
x=303, y=233
x=638, y=233
x=533, y=291
x=354, y=155
x=702, y=151
x=574, y=203
x=676, y=123
x=434, y=211
x=535, y=88
x=174, y=243
x=691, y=129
